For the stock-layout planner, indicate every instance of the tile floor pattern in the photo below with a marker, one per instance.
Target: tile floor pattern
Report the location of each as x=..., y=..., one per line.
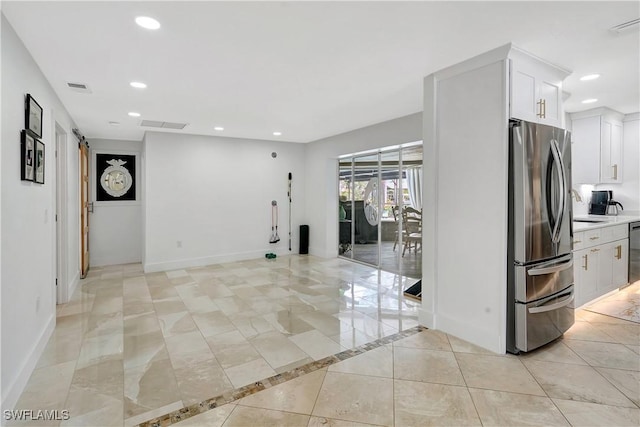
x=123, y=354
x=131, y=346
x=623, y=305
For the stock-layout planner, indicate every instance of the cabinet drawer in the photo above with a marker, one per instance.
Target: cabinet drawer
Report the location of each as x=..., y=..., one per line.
x=588, y=238
x=615, y=232
x=591, y=238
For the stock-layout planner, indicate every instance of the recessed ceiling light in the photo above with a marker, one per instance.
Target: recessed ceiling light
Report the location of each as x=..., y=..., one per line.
x=147, y=22
x=134, y=114
x=589, y=101
x=114, y=123
x=218, y=128
x=277, y=133
x=138, y=85
x=589, y=77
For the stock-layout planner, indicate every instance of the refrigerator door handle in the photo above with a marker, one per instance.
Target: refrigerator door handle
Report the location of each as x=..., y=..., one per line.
x=544, y=308
x=557, y=159
x=550, y=268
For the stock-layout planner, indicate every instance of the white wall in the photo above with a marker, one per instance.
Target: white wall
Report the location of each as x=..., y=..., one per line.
x=27, y=220
x=2, y=20
x=465, y=225
x=115, y=227
x=214, y=196
x=322, y=174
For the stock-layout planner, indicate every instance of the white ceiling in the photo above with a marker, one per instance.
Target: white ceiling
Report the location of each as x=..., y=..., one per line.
x=307, y=69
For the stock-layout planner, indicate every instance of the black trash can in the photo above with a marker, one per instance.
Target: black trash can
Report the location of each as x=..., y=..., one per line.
x=304, y=239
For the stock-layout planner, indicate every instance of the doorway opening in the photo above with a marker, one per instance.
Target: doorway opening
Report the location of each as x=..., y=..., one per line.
x=380, y=209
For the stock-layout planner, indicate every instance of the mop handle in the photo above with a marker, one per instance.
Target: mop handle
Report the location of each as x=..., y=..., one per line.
x=289, y=194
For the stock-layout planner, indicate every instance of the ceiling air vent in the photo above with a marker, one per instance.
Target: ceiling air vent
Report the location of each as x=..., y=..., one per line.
x=163, y=125
x=79, y=87
x=626, y=27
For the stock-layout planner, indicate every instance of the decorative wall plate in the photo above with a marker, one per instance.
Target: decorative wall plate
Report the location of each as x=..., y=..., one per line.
x=115, y=174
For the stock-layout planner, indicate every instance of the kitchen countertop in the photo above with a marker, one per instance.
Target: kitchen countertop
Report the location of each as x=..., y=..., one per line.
x=606, y=221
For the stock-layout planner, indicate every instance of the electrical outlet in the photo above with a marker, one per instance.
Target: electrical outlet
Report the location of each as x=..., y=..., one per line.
x=179, y=243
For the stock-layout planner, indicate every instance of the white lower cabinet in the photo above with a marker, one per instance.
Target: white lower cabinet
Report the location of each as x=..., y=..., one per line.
x=600, y=263
x=620, y=266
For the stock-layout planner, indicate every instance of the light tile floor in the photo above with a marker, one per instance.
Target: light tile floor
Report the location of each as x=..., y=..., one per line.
x=132, y=347
x=623, y=305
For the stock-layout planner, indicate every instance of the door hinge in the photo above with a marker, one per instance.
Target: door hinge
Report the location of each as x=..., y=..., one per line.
x=56, y=281
x=56, y=217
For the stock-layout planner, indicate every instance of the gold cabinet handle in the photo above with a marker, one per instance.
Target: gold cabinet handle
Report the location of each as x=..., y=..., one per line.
x=595, y=250
x=544, y=108
x=615, y=171
x=594, y=238
x=618, y=251
x=586, y=262
x=577, y=241
x=539, y=113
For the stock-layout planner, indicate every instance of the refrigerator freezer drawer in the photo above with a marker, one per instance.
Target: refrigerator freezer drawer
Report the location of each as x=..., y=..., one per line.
x=540, y=322
x=543, y=279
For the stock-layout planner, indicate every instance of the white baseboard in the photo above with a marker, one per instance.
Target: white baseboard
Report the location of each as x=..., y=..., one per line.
x=323, y=253
x=426, y=318
x=101, y=262
x=74, y=284
x=152, y=267
x=491, y=340
x=10, y=398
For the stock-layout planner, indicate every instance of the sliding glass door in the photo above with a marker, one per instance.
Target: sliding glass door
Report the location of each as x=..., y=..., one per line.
x=379, y=192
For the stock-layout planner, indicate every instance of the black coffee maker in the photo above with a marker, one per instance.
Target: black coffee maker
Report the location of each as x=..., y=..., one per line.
x=602, y=203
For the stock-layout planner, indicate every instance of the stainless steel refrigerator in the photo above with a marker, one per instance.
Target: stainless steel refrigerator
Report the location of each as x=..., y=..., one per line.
x=540, y=276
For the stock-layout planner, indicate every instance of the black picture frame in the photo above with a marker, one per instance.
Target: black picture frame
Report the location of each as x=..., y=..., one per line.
x=38, y=173
x=27, y=155
x=33, y=116
x=122, y=166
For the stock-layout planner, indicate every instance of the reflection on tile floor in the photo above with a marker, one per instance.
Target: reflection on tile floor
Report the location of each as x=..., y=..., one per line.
x=130, y=348
x=623, y=305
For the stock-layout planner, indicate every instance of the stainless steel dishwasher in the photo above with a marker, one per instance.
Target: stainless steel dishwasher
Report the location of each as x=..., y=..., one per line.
x=634, y=251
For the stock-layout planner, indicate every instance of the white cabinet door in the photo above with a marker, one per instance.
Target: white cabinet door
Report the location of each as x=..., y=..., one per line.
x=620, y=261
x=604, y=255
x=585, y=150
x=535, y=96
x=611, y=152
x=523, y=95
x=550, y=94
x=585, y=270
x=600, y=269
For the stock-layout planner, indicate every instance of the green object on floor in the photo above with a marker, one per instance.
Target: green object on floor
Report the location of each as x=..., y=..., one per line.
x=270, y=255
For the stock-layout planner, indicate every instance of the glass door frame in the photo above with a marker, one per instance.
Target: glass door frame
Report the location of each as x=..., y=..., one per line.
x=400, y=201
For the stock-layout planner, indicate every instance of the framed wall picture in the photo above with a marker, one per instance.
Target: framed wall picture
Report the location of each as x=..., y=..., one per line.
x=27, y=155
x=39, y=162
x=115, y=177
x=33, y=116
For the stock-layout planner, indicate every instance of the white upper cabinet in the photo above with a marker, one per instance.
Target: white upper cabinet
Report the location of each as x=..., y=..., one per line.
x=536, y=90
x=596, y=147
x=585, y=150
x=610, y=151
